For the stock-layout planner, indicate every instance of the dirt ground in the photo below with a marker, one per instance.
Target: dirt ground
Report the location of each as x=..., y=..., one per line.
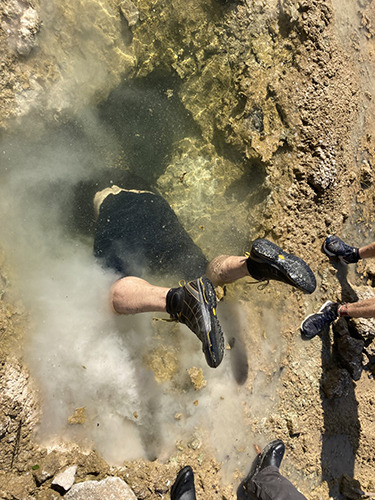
x=292, y=96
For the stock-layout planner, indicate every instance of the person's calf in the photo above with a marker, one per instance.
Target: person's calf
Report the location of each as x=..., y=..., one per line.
x=226, y=269
x=193, y=304
x=132, y=295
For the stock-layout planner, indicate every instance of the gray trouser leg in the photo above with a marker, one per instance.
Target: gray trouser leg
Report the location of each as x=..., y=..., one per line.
x=269, y=484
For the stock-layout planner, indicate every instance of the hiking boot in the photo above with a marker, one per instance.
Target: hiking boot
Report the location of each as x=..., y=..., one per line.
x=194, y=304
x=315, y=323
x=267, y=261
x=183, y=488
x=333, y=246
x=272, y=454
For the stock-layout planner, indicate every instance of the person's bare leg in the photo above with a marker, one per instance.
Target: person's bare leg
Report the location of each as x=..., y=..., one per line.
x=193, y=304
x=133, y=295
x=367, y=251
x=226, y=269
x=266, y=261
x=361, y=309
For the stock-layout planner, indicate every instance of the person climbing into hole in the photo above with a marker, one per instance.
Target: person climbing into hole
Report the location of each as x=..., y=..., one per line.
x=137, y=234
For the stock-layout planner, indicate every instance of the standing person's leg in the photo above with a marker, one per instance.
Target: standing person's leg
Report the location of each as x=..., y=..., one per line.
x=265, y=261
x=264, y=481
x=333, y=246
x=269, y=484
x=361, y=309
x=313, y=324
x=367, y=251
x=193, y=304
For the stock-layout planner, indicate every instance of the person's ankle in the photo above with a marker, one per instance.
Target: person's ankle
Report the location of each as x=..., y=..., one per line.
x=342, y=310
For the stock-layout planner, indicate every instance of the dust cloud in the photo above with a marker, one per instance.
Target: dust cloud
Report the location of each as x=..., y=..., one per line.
x=82, y=355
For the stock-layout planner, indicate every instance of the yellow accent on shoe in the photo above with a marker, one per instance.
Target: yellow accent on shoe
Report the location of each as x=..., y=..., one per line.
x=203, y=291
x=209, y=340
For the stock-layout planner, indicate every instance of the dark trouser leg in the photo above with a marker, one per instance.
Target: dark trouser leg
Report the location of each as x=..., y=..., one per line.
x=269, y=484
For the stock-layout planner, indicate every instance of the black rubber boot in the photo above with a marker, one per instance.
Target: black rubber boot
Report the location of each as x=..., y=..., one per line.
x=272, y=454
x=183, y=487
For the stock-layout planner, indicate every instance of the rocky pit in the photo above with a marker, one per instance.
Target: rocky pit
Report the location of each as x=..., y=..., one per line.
x=252, y=119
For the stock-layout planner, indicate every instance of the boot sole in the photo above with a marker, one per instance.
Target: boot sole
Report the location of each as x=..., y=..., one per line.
x=213, y=341
x=295, y=270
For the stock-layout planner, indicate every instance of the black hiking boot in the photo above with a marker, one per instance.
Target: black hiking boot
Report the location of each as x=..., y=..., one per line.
x=272, y=454
x=333, y=246
x=267, y=261
x=194, y=304
x=183, y=487
x=315, y=323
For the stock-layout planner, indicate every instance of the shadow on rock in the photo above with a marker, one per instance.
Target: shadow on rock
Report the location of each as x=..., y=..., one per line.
x=341, y=434
x=348, y=294
x=231, y=320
